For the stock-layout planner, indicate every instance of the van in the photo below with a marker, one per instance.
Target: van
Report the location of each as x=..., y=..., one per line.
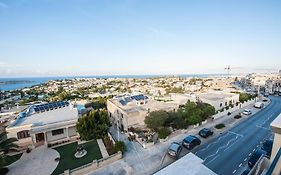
x=259, y=105
x=247, y=112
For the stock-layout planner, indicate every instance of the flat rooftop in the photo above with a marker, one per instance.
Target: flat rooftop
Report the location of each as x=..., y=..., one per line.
x=190, y=164
x=276, y=124
x=49, y=117
x=215, y=96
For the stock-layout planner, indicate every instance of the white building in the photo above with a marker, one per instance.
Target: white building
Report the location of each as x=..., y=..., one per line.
x=45, y=124
x=218, y=99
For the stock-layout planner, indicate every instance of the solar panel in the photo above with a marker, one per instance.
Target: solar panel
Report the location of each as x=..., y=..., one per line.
x=123, y=102
x=41, y=108
x=138, y=97
x=36, y=109
x=46, y=107
x=55, y=105
x=51, y=106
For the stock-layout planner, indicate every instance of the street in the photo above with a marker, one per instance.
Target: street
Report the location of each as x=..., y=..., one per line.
x=226, y=152
x=230, y=151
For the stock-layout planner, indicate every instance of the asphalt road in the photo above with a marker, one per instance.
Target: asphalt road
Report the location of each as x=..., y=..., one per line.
x=230, y=151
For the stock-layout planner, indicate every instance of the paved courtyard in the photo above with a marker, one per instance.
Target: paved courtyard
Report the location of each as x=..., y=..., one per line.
x=39, y=161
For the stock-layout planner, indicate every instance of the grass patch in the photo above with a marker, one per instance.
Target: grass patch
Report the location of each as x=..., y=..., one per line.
x=220, y=126
x=68, y=160
x=11, y=159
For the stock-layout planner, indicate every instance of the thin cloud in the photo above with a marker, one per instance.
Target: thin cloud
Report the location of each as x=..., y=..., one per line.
x=3, y=5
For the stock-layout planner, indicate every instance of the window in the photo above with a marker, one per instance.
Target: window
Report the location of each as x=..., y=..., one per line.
x=57, y=132
x=23, y=134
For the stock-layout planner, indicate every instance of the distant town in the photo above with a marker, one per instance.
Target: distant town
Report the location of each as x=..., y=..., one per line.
x=139, y=125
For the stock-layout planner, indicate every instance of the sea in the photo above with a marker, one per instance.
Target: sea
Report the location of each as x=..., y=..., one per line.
x=9, y=84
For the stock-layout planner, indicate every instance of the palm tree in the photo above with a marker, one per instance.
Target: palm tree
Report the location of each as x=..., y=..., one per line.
x=6, y=145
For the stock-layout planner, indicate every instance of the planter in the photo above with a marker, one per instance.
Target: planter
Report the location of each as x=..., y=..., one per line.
x=148, y=145
x=163, y=140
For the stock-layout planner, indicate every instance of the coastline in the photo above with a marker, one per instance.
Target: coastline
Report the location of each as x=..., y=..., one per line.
x=16, y=83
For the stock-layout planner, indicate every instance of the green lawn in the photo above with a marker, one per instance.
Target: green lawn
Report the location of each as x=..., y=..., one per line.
x=11, y=159
x=67, y=159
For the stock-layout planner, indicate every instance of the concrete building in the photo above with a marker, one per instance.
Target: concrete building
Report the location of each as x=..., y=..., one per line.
x=218, y=99
x=271, y=166
x=44, y=124
x=131, y=110
x=190, y=164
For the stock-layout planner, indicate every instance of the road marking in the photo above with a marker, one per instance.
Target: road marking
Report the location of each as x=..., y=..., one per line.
x=240, y=165
x=236, y=133
x=211, y=143
x=212, y=159
x=245, y=159
x=263, y=127
x=234, y=172
x=236, y=139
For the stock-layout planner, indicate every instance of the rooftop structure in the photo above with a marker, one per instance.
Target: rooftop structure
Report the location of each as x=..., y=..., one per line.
x=190, y=164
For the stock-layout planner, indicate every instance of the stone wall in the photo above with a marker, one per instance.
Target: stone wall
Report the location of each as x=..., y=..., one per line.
x=94, y=165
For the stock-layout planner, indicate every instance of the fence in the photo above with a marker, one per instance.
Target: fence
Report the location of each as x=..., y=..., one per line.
x=94, y=165
x=241, y=105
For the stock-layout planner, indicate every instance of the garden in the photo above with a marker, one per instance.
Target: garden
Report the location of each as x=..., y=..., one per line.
x=67, y=159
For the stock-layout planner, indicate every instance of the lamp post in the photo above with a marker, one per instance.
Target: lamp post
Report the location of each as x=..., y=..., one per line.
x=118, y=129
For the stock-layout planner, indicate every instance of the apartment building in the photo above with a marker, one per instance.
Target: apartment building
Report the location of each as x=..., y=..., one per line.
x=131, y=109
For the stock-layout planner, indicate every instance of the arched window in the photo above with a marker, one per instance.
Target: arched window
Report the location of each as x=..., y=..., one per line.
x=23, y=134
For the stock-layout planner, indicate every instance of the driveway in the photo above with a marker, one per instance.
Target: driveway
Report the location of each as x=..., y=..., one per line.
x=40, y=161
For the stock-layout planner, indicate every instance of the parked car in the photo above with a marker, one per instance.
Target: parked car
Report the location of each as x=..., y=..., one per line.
x=267, y=146
x=266, y=94
x=205, y=132
x=191, y=141
x=255, y=157
x=174, y=150
x=259, y=105
x=247, y=112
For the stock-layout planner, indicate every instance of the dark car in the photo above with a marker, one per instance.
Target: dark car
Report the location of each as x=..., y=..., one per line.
x=255, y=157
x=267, y=146
x=205, y=132
x=174, y=150
x=191, y=141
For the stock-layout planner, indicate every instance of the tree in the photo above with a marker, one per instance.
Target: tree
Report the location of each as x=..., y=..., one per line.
x=93, y=125
x=6, y=145
x=156, y=119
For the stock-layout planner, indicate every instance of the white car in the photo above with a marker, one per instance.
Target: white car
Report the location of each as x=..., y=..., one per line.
x=247, y=112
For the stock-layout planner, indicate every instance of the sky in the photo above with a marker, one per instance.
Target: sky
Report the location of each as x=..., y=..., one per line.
x=124, y=37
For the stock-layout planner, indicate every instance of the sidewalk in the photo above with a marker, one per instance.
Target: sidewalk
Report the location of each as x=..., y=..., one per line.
x=140, y=161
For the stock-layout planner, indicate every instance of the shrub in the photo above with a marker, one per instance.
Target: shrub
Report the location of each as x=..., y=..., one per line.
x=108, y=145
x=219, y=126
x=4, y=170
x=119, y=146
x=163, y=133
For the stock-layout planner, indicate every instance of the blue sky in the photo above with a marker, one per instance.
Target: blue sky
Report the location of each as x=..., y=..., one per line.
x=103, y=37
